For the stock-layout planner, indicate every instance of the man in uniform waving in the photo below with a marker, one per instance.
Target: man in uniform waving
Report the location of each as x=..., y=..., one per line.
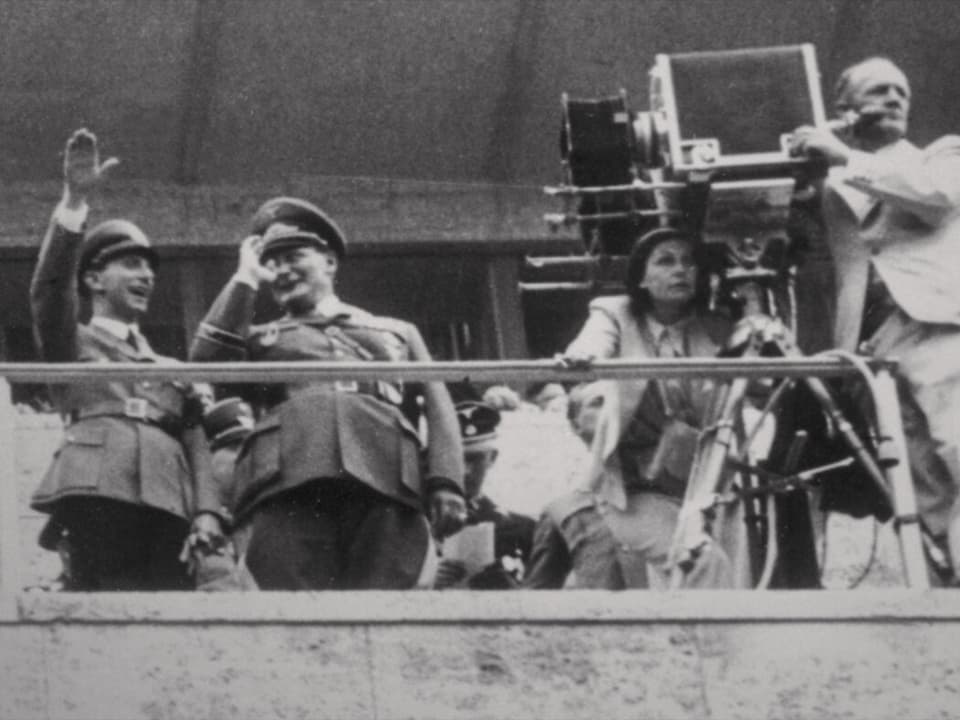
x=133, y=471
x=330, y=480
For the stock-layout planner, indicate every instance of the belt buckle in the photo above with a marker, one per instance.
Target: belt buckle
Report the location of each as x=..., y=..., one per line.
x=346, y=386
x=136, y=408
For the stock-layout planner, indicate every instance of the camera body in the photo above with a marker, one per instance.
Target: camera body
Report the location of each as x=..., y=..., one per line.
x=712, y=156
x=729, y=113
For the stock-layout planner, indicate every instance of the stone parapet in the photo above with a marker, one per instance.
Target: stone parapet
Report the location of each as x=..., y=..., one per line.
x=888, y=654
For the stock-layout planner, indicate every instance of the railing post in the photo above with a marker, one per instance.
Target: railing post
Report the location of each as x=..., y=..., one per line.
x=904, y=497
x=10, y=577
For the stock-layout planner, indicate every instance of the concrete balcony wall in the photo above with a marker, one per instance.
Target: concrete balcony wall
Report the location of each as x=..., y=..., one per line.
x=876, y=655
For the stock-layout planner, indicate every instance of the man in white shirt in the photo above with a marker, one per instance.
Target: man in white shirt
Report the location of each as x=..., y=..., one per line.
x=133, y=473
x=892, y=214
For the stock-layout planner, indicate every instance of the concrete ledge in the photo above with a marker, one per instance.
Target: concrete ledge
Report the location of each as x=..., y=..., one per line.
x=452, y=655
x=459, y=607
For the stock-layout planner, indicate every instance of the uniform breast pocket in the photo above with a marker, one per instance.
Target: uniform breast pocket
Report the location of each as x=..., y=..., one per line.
x=78, y=461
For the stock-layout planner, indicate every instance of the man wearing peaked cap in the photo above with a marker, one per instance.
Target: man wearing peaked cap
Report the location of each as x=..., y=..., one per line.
x=227, y=424
x=227, y=421
x=109, y=240
x=330, y=480
x=133, y=473
x=512, y=533
x=286, y=222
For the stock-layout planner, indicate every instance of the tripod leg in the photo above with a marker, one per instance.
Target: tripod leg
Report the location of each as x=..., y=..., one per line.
x=850, y=437
x=904, y=499
x=704, y=482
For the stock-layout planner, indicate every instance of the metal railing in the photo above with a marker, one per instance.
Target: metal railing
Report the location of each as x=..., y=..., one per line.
x=475, y=371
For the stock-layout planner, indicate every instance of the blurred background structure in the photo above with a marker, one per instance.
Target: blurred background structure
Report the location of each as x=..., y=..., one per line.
x=426, y=127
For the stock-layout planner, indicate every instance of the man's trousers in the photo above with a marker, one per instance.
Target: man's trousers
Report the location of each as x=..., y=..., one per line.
x=336, y=534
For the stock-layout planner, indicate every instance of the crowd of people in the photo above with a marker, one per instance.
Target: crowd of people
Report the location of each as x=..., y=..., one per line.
x=380, y=485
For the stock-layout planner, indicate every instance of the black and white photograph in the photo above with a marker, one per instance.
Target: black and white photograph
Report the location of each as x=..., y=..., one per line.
x=479, y=359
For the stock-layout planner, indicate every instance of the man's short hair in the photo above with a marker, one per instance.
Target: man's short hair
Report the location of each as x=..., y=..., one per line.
x=847, y=81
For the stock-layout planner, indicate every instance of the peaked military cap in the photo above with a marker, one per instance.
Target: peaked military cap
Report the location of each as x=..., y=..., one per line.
x=228, y=420
x=478, y=421
x=111, y=239
x=286, y=222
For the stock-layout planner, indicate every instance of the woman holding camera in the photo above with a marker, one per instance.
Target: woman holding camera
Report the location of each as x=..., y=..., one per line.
x=616, y=531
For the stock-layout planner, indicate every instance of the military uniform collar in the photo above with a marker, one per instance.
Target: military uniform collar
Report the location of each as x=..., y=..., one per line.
x=117, y=328
x=329, y=307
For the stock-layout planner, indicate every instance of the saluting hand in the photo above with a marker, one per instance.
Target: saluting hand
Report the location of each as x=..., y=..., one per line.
x=250, y=269
x=82, y=169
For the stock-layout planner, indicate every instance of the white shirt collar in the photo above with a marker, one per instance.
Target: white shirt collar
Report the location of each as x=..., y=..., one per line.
x=116, y=328
x=675, y=332
x=329, y=306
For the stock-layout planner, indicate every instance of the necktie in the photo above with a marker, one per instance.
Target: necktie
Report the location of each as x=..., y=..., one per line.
x=674, y=389
x=665, y=346
x=132, y=339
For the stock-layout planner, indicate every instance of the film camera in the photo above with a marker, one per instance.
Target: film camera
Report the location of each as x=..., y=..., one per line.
x=711, y=156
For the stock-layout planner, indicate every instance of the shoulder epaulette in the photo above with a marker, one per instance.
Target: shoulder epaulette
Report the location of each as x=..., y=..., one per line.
x=376, y=322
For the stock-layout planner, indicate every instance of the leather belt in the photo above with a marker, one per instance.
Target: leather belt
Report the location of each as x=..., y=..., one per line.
x=380, y=390
x=133, y=408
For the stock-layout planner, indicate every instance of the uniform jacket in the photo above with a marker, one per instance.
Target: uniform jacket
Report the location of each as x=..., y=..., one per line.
x=900, y=209
x=605, y=548
x=309, y=430
x=112, y=456
x=612, y=331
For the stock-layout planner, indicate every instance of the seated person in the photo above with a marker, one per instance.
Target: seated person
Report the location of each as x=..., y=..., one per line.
x=227, y=423
x=584, y=403
x=512, y=533
x=615, y=532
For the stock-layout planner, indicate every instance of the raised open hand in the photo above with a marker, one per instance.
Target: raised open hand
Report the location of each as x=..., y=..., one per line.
x=82, y=169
